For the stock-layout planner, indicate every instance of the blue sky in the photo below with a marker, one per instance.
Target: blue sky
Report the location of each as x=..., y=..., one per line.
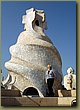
x=61, y=21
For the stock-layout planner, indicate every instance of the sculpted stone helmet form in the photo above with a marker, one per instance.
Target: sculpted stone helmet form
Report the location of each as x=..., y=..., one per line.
x=31, y=55
x=70, y=79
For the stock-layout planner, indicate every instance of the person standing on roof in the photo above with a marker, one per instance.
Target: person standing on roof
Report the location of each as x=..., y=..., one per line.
x=49, y=79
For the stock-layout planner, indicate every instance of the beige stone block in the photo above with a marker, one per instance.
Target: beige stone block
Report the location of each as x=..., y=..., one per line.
x=65, y=101
x=73, y=93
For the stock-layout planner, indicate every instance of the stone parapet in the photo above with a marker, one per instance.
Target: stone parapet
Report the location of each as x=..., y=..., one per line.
x=28, y=101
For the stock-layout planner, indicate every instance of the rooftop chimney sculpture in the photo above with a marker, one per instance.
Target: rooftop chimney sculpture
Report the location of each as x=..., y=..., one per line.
x=31, y=55
x=70, y=79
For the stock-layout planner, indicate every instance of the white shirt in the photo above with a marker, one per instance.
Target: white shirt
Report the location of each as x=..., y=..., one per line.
x=50, y=75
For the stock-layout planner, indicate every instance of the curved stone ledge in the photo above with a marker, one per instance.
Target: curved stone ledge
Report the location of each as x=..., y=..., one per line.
x=34, y=53
x=26, y=37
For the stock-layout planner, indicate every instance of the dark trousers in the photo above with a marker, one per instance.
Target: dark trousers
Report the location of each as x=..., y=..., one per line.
x=50, y=82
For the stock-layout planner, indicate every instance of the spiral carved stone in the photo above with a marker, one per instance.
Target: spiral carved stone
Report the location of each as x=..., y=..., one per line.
x=32, y=53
